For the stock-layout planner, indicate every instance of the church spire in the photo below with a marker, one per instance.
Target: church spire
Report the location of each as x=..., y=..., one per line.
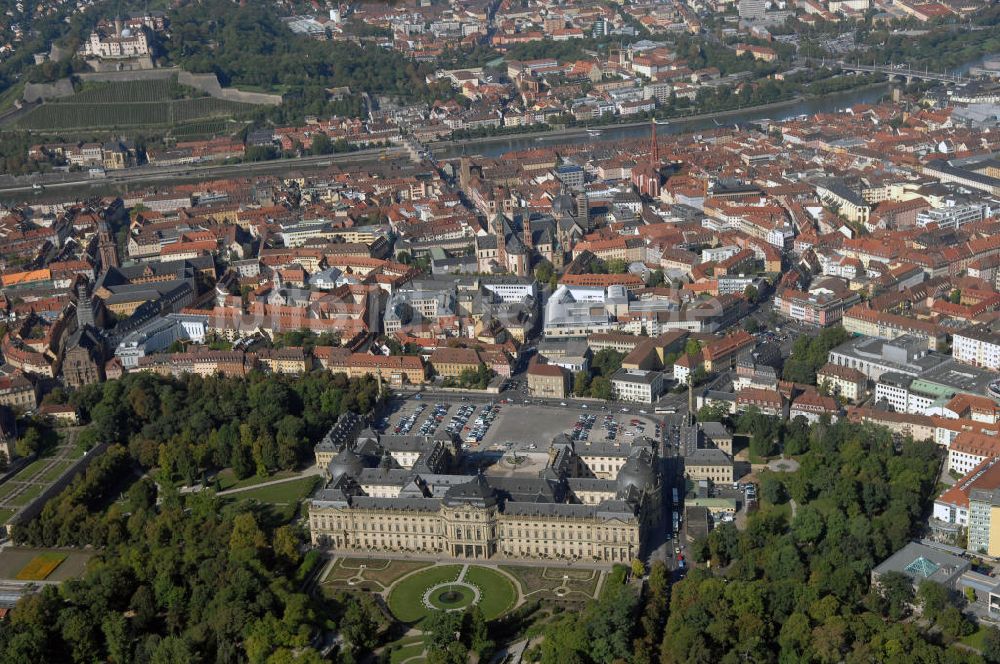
x=654, y=146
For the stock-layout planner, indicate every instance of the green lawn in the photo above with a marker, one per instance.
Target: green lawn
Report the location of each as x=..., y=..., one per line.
x=406, y=652
x=377, y=575
x=5, y=514
x=227, y=480
x=284, y=498
x=10, y=95
x=78, y=450
x=406, y=599
x=497, y=592
x=541, y=582
x=976, y=639
x=284, y=493
x=55, y=472
x=27, y=495
x=7, y=489
x=33, y=468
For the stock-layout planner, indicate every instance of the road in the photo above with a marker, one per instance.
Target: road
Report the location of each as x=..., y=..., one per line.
x=86, y=186
x=146, y=175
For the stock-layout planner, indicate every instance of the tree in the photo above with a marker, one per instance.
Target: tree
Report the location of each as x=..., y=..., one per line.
x=656, y=278
x=772, y=489
x=809, y=353
x=606, y=362
x=953, y=624
x=638, y=568
x=172, y=650
x=762, y=444
x=716, y=412
x=795, y=634
x=581, y=383
x=897, y=590
x=932, y=598
x=750, y=293
x=723, y=544
x=78, y=631
x=807, y=526
x=601, y=388
x=692, y=347
x=359, y=626
x=480, y=641
x=116, y=635
x=751, y=325
x=955, y=297
x=247, y=535
x=321, y=144
x=617, y=266
x=286, y=546
x=29, y=443
x=991, y=646
x=544, y=271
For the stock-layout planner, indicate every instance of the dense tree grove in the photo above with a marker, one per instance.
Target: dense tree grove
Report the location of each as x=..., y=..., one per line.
x=179, y=581
x=249, y=45
x=796, y=589
x=810, y=353
x=601, y=633
x=189, y=578
x=941, y=49
x=187, y=426
x=791, y=588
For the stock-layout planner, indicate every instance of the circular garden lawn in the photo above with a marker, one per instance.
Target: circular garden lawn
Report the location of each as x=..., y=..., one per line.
x=445, y=588
x=450, y=597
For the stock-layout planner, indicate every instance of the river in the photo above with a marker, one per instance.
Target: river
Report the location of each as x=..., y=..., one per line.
x=490, y=147
x=495, y=147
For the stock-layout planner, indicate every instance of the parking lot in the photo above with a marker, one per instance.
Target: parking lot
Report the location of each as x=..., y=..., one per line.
x=503, y=425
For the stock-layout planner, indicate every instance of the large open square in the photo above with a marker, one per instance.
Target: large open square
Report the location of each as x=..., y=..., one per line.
x=517, y=425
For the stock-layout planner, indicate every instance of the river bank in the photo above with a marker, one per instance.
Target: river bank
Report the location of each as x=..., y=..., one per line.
x=488, y=146
x=664, y=123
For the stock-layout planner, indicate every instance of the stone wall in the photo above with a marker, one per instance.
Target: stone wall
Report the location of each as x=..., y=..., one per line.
x=34, y=508
x=34, y=92
x=207, y=83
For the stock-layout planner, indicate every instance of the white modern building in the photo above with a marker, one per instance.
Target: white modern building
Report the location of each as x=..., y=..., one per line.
x=978, y=346
x=576, y=313
x=953, y=216
x=158, y=334
x=637, y=385
x=906, y=355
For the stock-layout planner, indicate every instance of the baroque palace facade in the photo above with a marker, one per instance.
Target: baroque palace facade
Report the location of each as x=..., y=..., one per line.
x=407, y=494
